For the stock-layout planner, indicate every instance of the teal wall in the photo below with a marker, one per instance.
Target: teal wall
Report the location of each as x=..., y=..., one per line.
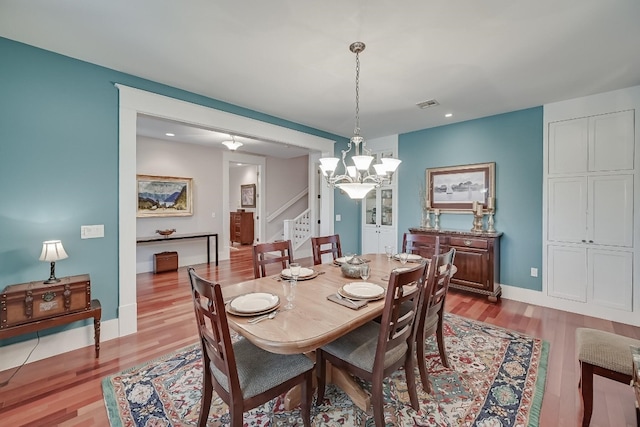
x=514, y=142
x=59, y=164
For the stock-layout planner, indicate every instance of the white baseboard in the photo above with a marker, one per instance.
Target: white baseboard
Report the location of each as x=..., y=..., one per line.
x=539, y=298
x=51, y=345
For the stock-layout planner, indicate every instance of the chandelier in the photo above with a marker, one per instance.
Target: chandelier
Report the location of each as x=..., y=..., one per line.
x=358, y=179
x=232, y=145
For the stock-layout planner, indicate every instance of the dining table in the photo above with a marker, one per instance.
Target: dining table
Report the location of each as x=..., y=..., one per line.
x=315, y=319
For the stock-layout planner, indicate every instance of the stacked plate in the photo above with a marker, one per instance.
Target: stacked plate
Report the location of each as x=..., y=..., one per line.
x=362, y=291
x=305, y=273
x=253, y=304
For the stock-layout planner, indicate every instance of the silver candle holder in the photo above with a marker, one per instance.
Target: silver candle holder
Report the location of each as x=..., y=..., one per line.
x=436, y=219
x=490, y=221
x=426, y=219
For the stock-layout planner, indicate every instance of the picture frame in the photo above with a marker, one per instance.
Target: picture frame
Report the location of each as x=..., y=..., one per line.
x=455, y=188
x=248, y=196
x=160, y=196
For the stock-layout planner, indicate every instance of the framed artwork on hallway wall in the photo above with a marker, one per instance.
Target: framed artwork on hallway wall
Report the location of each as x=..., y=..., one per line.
x=248, y=196
x=160, y=196
x=456, y=188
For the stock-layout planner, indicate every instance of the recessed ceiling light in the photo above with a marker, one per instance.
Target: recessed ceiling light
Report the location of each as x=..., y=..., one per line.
x=170, y=134
x=448, y=115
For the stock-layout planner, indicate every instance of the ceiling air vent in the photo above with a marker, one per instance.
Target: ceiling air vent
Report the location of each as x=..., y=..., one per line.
x=427, y=104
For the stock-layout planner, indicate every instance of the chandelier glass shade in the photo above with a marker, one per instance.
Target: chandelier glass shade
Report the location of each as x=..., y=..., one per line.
x=357, y=178
x=232, y=145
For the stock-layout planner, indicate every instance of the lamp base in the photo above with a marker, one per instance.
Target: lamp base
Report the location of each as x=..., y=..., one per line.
x=52, y=274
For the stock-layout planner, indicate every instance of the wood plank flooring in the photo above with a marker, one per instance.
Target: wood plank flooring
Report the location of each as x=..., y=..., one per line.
x=66, y=390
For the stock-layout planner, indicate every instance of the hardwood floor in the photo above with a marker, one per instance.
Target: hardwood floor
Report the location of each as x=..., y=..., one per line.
x=66, y=390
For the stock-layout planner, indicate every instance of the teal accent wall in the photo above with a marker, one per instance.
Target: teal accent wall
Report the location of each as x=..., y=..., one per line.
x=59, y=164
x=514, y=142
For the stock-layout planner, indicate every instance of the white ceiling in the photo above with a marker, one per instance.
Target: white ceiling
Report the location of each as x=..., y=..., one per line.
x=157, y=128
x=290, y=58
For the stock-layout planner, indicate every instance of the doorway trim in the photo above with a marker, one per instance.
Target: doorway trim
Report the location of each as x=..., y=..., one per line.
x=134, y=101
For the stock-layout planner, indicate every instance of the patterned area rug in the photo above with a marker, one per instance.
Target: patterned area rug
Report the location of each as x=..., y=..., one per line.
x=497, y=379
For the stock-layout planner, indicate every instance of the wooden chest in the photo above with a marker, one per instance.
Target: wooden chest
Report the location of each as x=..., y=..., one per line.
x=165, y=261
x=29, y=302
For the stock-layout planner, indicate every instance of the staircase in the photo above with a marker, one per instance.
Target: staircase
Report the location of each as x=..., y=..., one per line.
x=298, y=230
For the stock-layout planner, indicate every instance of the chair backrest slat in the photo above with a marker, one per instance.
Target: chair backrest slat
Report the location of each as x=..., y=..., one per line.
x=437, y=284
x=397, y=323
x=213, y=330
x=271, y=253
x=334, y=248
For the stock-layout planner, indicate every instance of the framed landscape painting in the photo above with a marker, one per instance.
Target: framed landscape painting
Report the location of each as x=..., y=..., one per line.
x=455, y=188
x=164, y=196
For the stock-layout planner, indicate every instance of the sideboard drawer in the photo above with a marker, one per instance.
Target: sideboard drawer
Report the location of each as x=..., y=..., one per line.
x=469, y=242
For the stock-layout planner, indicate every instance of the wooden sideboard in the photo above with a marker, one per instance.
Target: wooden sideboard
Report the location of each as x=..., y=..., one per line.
x=477, y=259
x=241, y=224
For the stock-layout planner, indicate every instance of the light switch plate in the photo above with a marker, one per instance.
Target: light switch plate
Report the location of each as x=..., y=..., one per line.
x=91, y=231
x=534, y=272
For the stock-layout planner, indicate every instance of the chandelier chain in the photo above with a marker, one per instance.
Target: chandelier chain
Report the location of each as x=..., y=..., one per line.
x=357, y=129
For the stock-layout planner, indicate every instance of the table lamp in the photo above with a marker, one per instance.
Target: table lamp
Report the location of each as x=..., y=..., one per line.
x=52, y=251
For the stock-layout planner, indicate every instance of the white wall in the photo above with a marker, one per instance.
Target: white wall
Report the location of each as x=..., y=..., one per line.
x=285, y=178
x=203, y=164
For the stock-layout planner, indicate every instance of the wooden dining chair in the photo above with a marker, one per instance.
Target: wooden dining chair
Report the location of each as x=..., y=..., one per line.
x=431, y=311
x=319, y=247
x=231, y=369
x=376, y=350
x=271, y=253
x=425, y=245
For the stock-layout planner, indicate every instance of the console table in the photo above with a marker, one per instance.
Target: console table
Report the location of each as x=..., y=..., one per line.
x=161, y=239
x=95, y=311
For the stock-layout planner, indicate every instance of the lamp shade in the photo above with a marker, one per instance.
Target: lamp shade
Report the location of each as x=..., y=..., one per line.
x=390, y=163
x=356, y=190
x=52, y=251
x=232, y=145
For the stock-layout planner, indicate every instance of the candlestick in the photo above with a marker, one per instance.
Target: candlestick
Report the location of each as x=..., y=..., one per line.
x=490, y=222
x=490, y=203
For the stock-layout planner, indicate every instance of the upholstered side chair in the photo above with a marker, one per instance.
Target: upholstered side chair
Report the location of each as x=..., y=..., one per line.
x=375, y=350
x=243, y=375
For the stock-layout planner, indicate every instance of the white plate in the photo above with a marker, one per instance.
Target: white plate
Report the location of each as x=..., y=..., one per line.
x=255, y=302
x=304, y=272
x=363, y=290
x=341, y=260
x=411, y=257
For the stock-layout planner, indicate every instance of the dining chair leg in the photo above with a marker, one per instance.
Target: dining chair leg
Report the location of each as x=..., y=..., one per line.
x=411, y=381
x=440, y=338
x=421, y=359
x=205, y=401
x=236, y=412
x=377, y=402
x=586, y=380
x=307, y=394
x=321, y=372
